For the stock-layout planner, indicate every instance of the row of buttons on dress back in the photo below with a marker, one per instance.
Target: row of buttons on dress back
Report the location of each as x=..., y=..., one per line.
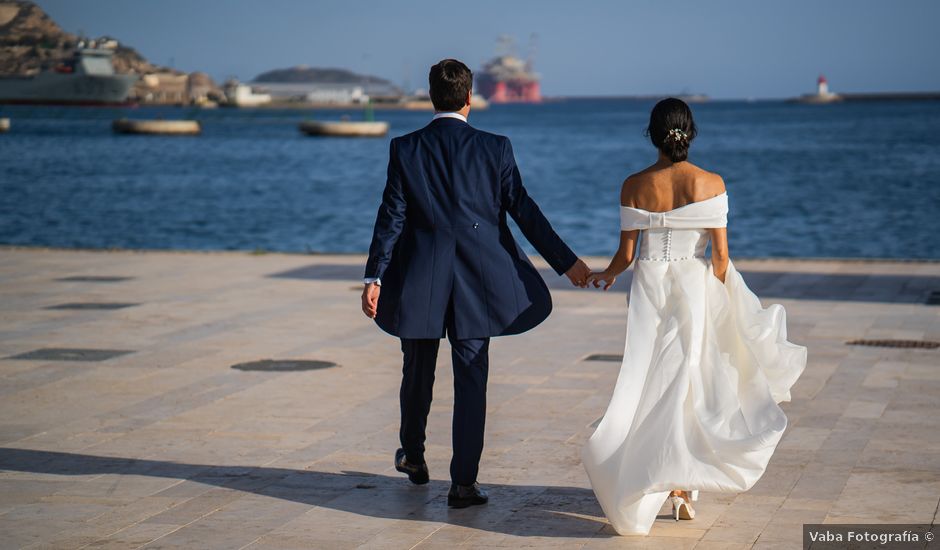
x=667, y=251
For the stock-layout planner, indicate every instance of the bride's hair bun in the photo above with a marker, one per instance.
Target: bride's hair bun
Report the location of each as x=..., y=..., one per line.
x=672, y=128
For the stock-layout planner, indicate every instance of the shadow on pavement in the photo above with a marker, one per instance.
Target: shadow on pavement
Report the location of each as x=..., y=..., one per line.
x=518, y=510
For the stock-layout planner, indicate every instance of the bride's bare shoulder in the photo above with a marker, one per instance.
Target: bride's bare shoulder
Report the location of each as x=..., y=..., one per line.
x=707, y=184
x=635, y=185
x=630, y=189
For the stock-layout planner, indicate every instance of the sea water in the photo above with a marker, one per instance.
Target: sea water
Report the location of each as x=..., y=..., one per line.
x=851, y=180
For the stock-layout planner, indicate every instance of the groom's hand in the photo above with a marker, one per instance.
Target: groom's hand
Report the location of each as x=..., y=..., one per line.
x=578, y=274
x=370, y=300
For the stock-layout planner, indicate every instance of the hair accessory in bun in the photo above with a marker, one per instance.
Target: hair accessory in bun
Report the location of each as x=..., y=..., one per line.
x=676, y=134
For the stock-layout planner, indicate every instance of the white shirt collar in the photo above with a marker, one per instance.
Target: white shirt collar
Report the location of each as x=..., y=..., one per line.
x=458, y=116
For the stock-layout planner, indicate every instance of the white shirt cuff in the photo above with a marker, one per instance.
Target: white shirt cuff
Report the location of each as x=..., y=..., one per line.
x=370, y=280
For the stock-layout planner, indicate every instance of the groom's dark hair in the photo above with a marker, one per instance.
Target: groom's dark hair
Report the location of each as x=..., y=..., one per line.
x=450, y=81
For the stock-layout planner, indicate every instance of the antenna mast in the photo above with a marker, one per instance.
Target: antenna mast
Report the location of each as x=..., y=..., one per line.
x=533, y=50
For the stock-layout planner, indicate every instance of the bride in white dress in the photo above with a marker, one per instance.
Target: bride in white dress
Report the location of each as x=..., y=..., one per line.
x=695, y=406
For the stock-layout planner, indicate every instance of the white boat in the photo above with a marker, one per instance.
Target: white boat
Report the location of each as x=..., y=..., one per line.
x=157, y=127
x=243, y=95
x=341, y=128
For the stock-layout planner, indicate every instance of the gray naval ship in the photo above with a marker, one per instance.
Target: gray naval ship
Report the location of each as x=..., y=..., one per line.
x=87, y=78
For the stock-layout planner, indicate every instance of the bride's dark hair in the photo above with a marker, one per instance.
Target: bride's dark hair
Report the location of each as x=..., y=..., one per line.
x=672, y=128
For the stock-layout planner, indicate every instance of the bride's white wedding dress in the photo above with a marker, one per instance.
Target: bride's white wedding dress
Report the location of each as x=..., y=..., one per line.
x=704, y=368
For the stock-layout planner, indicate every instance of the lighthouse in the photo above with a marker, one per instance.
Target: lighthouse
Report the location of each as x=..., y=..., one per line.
x=822, y=95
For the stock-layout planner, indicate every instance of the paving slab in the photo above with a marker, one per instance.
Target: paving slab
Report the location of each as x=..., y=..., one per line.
x=175, y=443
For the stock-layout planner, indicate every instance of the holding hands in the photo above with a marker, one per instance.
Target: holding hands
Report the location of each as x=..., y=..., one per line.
x=581, y=276
x=579, y=273
x=604, y=277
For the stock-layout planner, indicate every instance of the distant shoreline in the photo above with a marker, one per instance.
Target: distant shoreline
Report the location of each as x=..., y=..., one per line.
x=861, y=96
x=892, y=96
x=547, y=100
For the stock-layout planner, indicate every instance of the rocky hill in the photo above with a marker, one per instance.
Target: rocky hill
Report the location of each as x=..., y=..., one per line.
x=31, y=41
x=304, y=74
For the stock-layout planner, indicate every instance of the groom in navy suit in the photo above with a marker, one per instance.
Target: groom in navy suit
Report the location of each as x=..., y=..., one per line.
x=443, y=262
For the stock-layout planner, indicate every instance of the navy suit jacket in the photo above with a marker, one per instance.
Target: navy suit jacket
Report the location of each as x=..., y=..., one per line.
x=441, y=238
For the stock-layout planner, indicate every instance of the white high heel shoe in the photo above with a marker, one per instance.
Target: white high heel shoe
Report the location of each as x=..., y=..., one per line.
x=681, y=508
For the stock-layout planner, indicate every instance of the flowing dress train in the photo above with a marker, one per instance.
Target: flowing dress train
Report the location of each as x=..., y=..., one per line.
x=695, y=406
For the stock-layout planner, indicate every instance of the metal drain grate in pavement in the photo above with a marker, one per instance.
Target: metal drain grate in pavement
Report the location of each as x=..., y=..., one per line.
x=93, y=279
x=284, y=365
x=605, y=357
x=933, y=299
x=92, y=305
x=70, y=354
x=907, y=344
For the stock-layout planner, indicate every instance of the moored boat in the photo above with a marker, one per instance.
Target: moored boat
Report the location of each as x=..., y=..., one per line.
x=156, y=127
x=87, y=78
x=342, y=128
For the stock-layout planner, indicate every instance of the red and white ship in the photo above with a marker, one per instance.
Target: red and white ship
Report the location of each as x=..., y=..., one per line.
x=508, y=79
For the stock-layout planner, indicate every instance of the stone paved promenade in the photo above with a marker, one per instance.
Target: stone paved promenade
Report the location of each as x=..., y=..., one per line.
x=168, y=445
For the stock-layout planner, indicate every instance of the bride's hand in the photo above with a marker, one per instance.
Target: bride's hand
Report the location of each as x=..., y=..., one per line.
x=603, y=276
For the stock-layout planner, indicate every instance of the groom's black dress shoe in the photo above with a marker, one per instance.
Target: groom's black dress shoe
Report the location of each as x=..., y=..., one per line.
x=417, y=473
x=461, y=496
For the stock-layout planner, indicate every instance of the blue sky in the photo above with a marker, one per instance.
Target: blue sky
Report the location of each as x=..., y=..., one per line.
x=724, y=48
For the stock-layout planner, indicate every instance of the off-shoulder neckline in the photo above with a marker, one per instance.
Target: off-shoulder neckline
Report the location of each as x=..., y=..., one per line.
x=725, y=194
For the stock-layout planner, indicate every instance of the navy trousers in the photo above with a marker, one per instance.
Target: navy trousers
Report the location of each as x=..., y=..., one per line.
x=471, y=365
